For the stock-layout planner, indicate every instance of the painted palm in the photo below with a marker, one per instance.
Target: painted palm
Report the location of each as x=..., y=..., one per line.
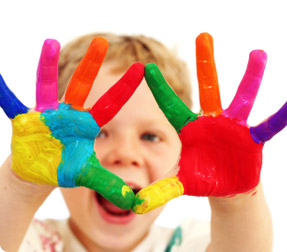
x=221, y=155
x=54, y=143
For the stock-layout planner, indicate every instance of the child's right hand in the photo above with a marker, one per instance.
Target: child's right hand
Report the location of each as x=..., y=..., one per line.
x=221, y=155
x=54, y=144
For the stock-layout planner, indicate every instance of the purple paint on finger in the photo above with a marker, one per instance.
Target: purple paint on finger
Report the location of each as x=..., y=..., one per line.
x=245, y=96
x=271, y=126
x=47, y=76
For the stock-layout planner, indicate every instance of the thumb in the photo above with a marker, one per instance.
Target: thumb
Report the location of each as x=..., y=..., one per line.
x=109, y=185
x=157, y=194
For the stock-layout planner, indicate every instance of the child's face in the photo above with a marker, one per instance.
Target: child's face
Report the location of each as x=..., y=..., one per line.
x=140, y=146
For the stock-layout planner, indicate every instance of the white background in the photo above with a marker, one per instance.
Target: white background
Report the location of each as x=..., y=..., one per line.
x=237, y=27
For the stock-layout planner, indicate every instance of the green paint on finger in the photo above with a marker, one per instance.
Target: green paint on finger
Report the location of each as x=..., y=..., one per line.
x=172, y=106
x=94, y=176
x=138, y=204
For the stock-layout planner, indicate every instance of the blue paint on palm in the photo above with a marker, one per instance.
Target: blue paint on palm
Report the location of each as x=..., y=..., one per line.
x=77, y=131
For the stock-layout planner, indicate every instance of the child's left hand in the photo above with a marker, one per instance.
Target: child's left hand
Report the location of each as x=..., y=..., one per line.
x=221, y=155
x=53, y=144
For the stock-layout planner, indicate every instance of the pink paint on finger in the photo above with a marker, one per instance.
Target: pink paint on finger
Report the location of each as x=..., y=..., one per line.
x=245, y=96
x=47, y=76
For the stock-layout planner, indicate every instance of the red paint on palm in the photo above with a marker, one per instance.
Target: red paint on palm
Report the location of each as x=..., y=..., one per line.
x=219, y=157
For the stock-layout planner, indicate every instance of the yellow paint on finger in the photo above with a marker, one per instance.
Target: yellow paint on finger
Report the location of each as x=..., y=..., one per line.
x=36, y=154
x=157, y=194
x=126, y=189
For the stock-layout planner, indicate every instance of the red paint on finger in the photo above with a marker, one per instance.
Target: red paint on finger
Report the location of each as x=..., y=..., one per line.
x=112, y=101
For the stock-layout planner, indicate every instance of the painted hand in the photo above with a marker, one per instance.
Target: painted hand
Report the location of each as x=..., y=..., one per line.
x=221, y=155
x=54, y=143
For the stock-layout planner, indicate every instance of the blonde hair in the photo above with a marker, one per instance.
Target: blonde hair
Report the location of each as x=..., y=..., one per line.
x=127, y=50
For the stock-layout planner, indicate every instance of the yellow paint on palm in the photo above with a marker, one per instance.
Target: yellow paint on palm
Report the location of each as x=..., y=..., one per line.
x=36, y=153
x=157, y=194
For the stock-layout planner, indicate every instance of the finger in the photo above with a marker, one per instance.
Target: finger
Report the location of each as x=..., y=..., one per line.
x=270, y=127
x=110, y=186
x=245, y=96
x=157, y=195
x=86, y=72
x=9, y=102
x=112, y=101
x=207, y=76
x=172, y=106
x=47, y=76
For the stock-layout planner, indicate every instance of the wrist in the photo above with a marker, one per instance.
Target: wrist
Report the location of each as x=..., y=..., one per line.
x=245, y=219
x=236, y=202
x=26, y=190
x=19, y=202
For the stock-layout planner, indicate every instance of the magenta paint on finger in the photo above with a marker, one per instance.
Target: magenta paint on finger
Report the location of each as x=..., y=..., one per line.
x=47, y=76
x=245, y=96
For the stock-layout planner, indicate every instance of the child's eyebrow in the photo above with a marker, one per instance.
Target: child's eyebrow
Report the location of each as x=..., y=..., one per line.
x=157, y=124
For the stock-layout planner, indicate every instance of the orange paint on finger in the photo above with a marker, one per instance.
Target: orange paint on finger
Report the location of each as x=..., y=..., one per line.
x=86, y=72
x=207, y=76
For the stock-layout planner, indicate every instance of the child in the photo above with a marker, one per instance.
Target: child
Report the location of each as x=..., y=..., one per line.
x=140, y=146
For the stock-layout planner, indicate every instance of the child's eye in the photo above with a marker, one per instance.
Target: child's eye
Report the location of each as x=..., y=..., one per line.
x=102, y=134
x=150, y=137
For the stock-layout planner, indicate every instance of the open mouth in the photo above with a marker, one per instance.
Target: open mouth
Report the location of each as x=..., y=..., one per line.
x=111, y=212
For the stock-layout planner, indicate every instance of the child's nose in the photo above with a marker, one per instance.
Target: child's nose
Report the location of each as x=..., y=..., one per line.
x=126, y=153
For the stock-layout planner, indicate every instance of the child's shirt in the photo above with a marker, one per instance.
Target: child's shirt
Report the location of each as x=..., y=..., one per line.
x=56, y=236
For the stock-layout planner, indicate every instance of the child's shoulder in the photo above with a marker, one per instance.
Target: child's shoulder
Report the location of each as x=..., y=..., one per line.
x=190, y=235
x=56, y=235
x=50, y=235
